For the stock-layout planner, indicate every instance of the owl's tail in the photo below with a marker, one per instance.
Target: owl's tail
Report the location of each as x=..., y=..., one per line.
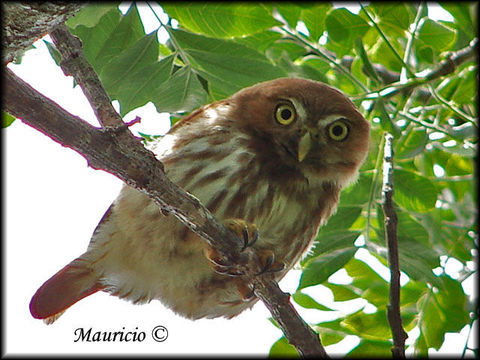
x=71, y=284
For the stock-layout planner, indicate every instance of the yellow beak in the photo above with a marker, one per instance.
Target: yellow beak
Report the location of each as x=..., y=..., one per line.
x=304, y=146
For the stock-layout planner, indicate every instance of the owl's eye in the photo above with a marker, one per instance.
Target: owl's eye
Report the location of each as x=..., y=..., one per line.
x=285, y=114
x=338, y=130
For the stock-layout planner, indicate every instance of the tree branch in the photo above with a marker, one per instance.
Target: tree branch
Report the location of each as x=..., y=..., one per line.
x=138, y=167
x=25, y=22
x=447, y=66
x=393, y=308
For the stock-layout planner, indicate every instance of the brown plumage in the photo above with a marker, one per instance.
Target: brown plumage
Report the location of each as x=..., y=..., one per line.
x=276, y=154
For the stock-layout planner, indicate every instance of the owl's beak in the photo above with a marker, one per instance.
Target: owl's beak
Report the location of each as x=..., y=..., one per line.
x=304, y=146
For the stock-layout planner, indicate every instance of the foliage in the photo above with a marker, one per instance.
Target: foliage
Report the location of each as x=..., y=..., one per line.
x=215, y=49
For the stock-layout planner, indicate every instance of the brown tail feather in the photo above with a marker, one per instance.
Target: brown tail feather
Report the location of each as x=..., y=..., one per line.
x=62, y=290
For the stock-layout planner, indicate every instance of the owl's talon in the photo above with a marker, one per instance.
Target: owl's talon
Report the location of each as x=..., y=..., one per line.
x=215, y=258
x=245, y=291
x=267, y=258
x=229, y=272
x=220, y=265
x=247, y=231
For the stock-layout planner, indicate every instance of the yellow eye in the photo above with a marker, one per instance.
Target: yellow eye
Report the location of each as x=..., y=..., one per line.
x=285, y=114
x=338, y=130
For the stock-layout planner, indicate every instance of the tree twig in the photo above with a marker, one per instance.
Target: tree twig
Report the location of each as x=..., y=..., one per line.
x=138, y=167
x=393, y=309
x=24, y=22
x=447, y=66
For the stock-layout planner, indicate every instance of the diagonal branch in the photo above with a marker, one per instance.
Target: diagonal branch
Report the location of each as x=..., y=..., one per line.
x=138, y=167
x=445, y=67
x=24, y=22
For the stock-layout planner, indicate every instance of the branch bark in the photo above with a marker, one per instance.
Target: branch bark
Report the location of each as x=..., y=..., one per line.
x=114, y=149
x=25, y=22
x=393, y=309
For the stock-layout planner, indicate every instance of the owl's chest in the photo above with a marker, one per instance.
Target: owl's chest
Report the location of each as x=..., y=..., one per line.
x=286, y=213
x=233, y=180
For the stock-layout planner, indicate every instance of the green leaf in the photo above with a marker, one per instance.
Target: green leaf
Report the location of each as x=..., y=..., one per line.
x=53, y=52
x=133, y=59
x=463, y=14
x=408, y=227
x=458, y=149
x=462, y=88
x=331, y=332
x=281, y=348
x=181, y=92
x=343, y=219
x=343, y=28
x=260, y=41
x=418, y=260
x=110, y=37
x=329, y=337
x=435, y=35
x=225, y=64
x=393, y=18
x=222, y=20
x=411, y=292
x=142, y=85
x=459, y=165
x=367, y=283
x=357, y=194
x=90, y=15
x=280, y=47
x=413, y=192
x=320, y=268
x=7, y=119
x=385, y=120
x=332, y=240
x=443, y=311
x=314, y=19
x=290, y=12
x=308, y=302
x=368, y=68
x=343, y=292
x=412, y=144
x=369, y=326
x=362, y=274
x=371, y=349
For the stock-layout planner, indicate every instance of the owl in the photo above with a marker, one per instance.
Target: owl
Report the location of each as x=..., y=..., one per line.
x=270, y=162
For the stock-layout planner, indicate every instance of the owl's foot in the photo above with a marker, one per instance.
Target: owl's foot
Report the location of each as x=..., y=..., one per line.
x=269, y=264
x=249, y=233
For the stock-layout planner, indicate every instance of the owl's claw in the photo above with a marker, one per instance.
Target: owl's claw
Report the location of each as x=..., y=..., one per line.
x=220, y=265
x=247, y=231
x=269, y=265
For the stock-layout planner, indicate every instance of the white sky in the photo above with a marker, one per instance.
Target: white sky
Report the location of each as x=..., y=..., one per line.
x=53, y=203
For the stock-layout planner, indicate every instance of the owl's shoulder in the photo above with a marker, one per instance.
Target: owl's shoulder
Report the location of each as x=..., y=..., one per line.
x=205, y=115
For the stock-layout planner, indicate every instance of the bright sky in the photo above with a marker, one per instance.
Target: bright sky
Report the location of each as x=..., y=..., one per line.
x=53, y=203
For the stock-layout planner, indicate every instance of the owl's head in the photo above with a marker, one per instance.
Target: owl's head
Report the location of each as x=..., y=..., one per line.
x=305, y=126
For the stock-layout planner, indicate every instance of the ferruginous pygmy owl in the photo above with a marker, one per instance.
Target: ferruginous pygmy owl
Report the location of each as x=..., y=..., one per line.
x=276, y=155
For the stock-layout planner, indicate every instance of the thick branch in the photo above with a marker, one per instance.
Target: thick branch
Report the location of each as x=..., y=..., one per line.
x=74, y=62
x=394, y=317
x=135, y=165
x=25, y=22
